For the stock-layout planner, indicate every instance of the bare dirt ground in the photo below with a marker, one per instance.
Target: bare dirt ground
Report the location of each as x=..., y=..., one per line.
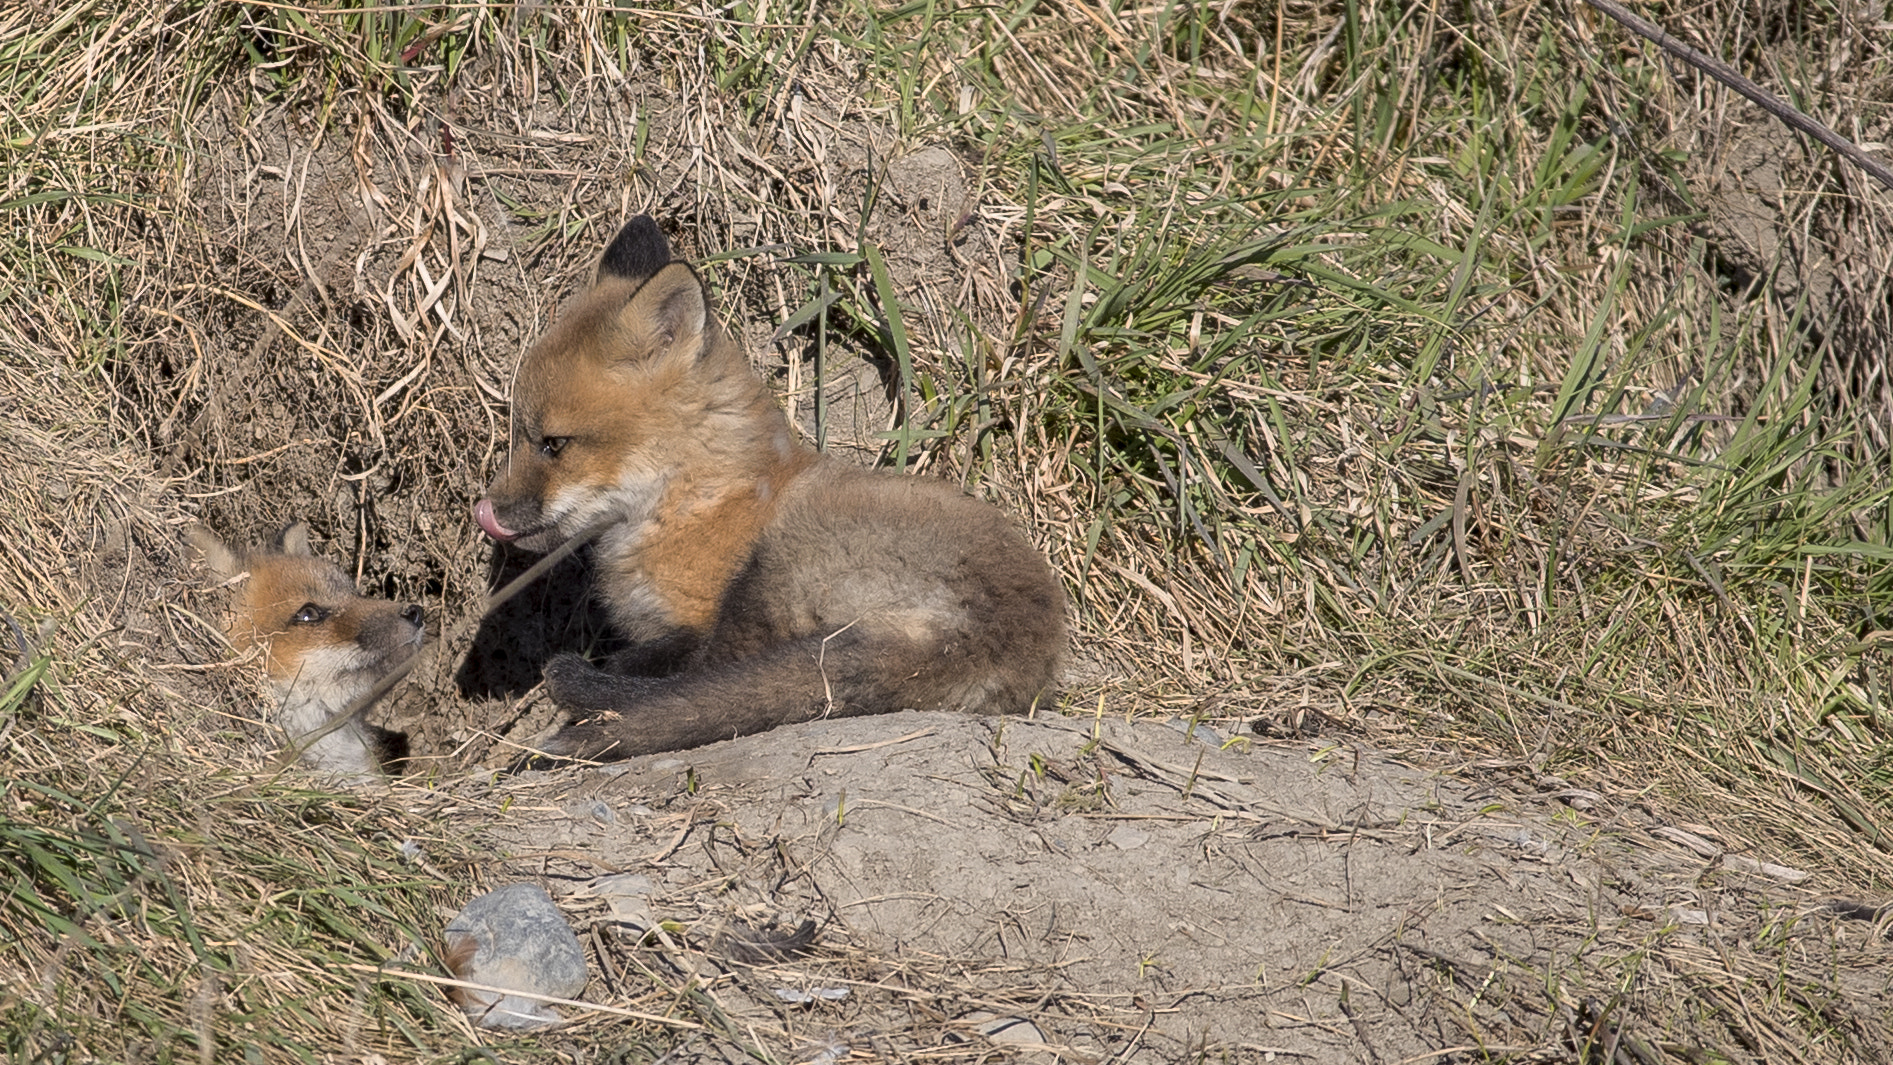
x=1138, y=894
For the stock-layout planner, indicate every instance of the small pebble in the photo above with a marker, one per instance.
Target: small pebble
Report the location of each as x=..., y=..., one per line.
x=1126, y=838
x=629, y=897
x=1199, y=732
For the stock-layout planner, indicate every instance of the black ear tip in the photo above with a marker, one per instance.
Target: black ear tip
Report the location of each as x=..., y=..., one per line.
x=639, y=250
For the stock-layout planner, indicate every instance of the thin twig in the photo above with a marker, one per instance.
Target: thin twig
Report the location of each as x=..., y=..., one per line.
x=1729, y=76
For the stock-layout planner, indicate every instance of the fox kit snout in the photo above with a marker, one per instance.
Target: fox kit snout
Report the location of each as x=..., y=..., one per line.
x=324, y=645
x=757, y=581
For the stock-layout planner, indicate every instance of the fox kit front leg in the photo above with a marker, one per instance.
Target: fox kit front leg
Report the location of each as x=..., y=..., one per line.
x=757, y=581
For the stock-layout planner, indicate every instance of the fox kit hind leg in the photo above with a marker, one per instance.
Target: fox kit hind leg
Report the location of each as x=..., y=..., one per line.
x=324, y=646
x=757, y=581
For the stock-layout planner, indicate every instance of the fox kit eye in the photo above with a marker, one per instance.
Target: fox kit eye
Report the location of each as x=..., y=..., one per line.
x=550, y=446
x=310, y=614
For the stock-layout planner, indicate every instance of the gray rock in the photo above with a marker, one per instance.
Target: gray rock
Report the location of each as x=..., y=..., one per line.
x=514, y=938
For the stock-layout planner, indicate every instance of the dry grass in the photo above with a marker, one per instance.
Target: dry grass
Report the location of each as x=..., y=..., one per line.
x=1464, y=375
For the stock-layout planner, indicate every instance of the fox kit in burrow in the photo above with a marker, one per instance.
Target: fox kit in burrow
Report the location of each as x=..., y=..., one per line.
x=324, y=645
x=756, y=581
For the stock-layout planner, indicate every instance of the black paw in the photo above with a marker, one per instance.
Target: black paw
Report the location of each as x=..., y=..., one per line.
x=579, y=686
x=587, y=740
x=569, y=679
x=604, y=707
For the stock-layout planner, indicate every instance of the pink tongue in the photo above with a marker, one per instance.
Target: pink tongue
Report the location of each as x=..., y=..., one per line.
x=483, y=513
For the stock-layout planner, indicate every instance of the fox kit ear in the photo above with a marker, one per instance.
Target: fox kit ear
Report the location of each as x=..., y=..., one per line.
x=222, y=562
x=294, y=540
x=669, y=307
x=638, y=251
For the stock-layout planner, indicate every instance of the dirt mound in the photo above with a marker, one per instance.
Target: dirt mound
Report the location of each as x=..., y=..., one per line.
x=1140, y=893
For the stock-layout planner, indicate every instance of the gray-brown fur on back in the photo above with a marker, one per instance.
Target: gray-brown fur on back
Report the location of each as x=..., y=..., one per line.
x=919, y=566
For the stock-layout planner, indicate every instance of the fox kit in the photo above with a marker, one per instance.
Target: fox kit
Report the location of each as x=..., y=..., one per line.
x=757, y=581
x=324, y=645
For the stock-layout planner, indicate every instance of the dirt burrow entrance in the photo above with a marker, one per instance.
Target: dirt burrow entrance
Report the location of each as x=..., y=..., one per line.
x=341, y=327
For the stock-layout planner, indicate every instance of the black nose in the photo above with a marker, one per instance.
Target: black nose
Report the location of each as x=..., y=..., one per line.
x=413, y=615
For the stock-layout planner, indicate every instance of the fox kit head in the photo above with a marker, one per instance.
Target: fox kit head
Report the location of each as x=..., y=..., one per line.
x=626, y=391
x=323, y=643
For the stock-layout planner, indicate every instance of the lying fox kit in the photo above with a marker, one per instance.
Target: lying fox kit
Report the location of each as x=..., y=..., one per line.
x=757, y=581
x=324, y=645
